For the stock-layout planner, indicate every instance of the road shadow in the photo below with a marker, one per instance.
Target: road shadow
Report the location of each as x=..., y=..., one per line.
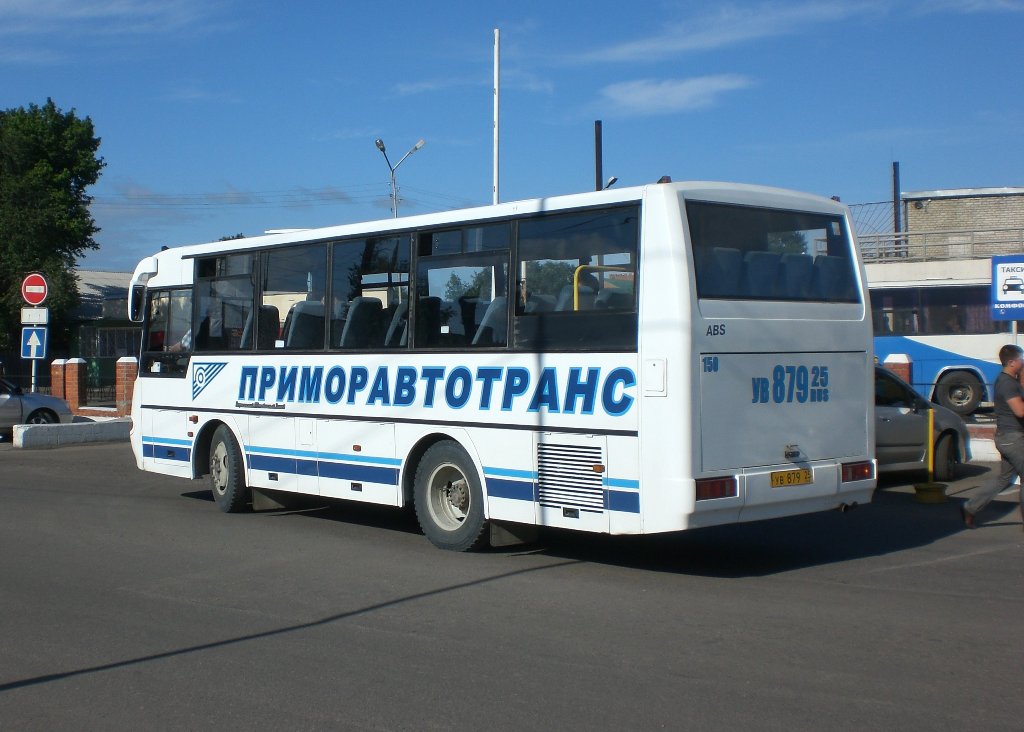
x=891, y=523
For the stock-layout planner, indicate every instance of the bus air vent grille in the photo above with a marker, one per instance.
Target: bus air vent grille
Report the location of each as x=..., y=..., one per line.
x=566, y=476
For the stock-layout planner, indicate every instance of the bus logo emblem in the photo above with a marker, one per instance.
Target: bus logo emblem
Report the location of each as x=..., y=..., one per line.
x=203, y=374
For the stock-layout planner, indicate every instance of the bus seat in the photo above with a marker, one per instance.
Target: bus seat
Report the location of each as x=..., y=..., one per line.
x=427, y=321
x=493, y=330
x=398, y=330
x=795, y=276
x=721, y=273
x=612, y=299
x=304, y=326
x=268, y=326
x=539, y=304
x=362, y=326
x=760, y=271
x=565, y=298
x=832, y=279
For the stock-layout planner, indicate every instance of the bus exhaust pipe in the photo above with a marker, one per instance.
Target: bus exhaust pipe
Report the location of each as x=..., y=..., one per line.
x=847, y=507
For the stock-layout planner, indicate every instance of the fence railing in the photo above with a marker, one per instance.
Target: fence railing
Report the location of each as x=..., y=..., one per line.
x=940, y=245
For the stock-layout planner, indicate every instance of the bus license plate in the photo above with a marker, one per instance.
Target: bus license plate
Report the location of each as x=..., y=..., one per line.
x=784, y=478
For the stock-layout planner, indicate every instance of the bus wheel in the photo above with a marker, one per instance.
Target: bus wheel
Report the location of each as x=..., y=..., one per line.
x=945, y=458
x=227, y=472
x=959, y=391
x=448, y=498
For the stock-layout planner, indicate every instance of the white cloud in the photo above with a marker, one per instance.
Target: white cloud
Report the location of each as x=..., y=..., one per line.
x=972, y=6
x=651, y=97
x=104, y=17
x=730, y=25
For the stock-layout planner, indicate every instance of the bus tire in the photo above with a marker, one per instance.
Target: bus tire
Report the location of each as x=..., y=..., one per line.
x=945, y=458
x=227, y=472
x=448, y=498
x=959, y=391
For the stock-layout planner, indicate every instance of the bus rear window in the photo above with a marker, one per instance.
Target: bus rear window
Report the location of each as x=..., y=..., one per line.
x=749, y=253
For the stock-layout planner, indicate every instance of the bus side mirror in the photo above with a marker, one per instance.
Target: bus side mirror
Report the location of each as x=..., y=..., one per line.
x=137, y=304
x=147, y=268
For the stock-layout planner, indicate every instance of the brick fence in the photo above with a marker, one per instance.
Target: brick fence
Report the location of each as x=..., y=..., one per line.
x=68, y=379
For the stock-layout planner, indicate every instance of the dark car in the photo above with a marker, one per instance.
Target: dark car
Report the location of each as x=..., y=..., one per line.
x=901, y=430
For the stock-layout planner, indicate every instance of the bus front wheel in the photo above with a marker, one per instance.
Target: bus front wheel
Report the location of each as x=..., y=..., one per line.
x=945, y=458
x=448, y=498
x=227, y=472
x=959, y=391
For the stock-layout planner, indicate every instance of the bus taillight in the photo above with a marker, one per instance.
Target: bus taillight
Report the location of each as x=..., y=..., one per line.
x=858, y=471
x=708, y=488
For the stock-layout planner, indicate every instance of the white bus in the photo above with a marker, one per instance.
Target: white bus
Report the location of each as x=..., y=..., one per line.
x=626, y=361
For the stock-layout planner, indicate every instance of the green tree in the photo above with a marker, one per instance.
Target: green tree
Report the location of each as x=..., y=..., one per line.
x=47, y=161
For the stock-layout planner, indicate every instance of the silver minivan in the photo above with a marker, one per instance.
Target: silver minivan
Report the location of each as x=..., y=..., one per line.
x=901, y=430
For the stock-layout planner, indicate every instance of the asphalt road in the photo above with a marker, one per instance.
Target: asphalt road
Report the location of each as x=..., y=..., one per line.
x=128, y=601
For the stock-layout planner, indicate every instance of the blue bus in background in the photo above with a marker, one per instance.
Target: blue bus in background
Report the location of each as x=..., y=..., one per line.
x=948, y=335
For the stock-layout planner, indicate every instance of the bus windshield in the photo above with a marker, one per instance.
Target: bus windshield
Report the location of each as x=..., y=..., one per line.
x=748, y=253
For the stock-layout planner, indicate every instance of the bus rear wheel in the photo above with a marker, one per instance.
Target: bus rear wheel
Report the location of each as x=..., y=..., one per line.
x=448, y=498
x=959, y=391
x=227, y=473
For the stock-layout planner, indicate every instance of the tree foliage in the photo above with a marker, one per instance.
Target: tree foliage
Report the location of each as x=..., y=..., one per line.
x=47, y=162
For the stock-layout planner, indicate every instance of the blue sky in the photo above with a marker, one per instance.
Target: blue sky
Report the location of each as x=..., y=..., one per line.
x=230, y=117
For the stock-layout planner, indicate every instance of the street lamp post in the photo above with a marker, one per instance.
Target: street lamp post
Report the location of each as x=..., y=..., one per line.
x=394, y=188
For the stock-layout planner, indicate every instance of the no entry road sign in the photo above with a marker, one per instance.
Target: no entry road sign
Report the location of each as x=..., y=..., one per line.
x=34, y=289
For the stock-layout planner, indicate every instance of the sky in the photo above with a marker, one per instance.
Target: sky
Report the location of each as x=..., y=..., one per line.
x=228, y=116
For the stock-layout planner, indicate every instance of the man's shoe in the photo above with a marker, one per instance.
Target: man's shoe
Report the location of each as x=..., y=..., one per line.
x=967, y=516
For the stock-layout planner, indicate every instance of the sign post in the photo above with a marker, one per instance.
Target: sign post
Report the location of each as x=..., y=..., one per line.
x=1008, y=289
x=34, y=290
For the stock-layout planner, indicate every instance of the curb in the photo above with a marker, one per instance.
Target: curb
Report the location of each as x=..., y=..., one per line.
x=41, y=436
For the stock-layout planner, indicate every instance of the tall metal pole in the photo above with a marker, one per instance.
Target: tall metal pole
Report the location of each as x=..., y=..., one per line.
x=497, y=98
x=897, y=224
x=598, y=157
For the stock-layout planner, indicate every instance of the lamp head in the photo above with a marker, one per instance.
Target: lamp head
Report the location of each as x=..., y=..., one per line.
x=380, y=144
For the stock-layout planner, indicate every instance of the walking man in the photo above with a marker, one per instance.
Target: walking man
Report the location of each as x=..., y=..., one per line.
x=1009, y=412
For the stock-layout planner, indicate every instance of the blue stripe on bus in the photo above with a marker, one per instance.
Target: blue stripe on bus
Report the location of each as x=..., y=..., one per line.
x=165, y=441
x=324, y=469
x=509, y=473
x=515, y=489
x=624, y=502
x=622, y=483
x=315, y=455
x=358, y=473
x=161, y=451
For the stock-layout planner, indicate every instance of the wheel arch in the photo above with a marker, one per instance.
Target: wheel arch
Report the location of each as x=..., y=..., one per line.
x=423, y=443
x=201, y=447
x=966, y=368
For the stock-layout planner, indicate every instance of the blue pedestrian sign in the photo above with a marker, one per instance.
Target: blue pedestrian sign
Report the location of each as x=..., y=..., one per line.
x=33, y=343
x=1008, y=287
